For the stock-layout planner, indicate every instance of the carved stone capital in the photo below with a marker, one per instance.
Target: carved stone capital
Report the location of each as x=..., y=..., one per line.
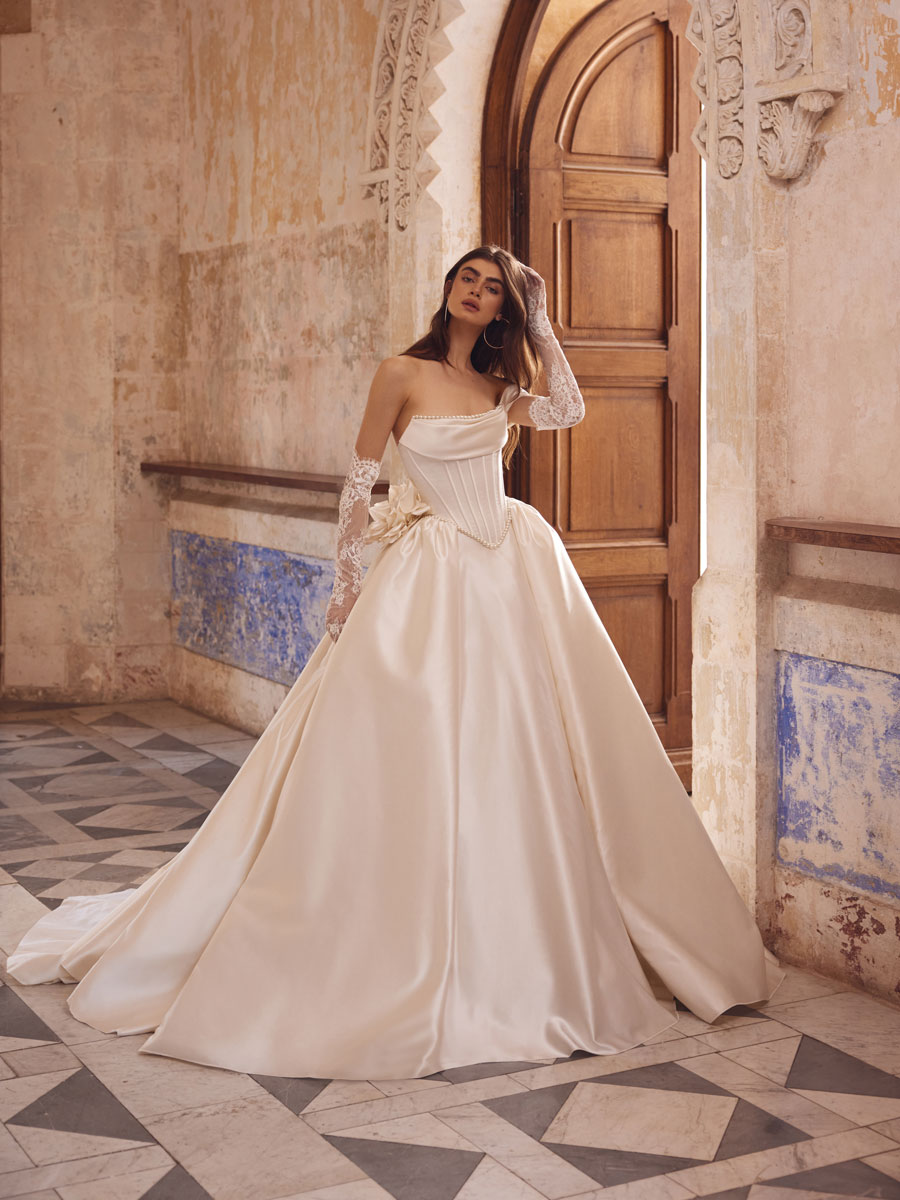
x=798, y=51
x=786, y=129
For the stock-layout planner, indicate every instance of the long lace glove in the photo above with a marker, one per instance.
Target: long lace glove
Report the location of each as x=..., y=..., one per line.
x=565, y=404
x=353, y=513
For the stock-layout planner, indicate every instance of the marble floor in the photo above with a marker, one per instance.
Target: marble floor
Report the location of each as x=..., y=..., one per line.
x=796, y=1099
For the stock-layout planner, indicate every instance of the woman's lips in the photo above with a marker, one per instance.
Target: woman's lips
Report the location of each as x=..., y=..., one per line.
x=471, y=305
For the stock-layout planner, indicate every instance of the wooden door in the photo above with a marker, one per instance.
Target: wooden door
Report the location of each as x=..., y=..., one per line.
x=611, y=189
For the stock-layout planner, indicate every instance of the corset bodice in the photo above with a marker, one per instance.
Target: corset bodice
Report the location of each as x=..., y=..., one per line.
x=456, y=465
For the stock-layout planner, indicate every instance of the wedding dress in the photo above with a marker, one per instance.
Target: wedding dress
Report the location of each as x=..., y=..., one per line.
x=459, y=840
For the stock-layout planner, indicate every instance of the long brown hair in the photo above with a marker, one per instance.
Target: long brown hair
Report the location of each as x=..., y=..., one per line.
x=516, y=359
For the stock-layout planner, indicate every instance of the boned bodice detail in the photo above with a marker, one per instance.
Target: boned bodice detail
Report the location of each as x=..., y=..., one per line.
x=455, y=463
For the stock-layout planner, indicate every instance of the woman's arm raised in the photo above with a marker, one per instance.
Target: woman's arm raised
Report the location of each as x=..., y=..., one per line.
x=387, y=395
x=565, y=404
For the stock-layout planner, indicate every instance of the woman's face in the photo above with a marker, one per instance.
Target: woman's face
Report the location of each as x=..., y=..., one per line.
x=477, y=293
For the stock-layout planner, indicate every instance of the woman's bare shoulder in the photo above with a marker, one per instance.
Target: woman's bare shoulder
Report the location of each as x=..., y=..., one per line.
x=398, y=369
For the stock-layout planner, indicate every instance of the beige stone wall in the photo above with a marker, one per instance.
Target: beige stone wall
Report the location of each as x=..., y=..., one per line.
x=803, y=372
x=842, y=369
x=284, y=264
x=296, y=283
x=284, y=269
x=192, y=268
x=90, y=326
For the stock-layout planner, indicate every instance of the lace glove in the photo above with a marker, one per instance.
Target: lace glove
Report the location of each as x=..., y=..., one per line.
x=353, y=513
x=565, y=404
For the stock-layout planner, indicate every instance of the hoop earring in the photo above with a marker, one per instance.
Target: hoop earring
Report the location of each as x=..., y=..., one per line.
x=446, y=311
x=484, y=334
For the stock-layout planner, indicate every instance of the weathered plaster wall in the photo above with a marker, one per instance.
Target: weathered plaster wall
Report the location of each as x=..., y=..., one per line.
x=283, y=261
x=193, y=269
x=284, y=269
x=803, y=421
x=837, y=876
x=842, y=322
x=296, y=283
x=90, y=325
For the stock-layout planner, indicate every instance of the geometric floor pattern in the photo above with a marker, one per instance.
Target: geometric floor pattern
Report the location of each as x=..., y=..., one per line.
x=798, y=1099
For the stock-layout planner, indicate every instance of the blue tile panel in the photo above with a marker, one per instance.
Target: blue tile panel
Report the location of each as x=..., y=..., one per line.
x=839, y=772
x=252, y=607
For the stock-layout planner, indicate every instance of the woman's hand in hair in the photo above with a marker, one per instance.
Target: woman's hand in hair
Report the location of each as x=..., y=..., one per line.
x=536, y=301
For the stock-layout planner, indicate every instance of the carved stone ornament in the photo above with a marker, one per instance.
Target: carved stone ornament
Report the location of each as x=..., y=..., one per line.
x=786, y=129
x=802, y=73
x=800, y=83
x=714, y=28
x=792, y=33
x=404, y=85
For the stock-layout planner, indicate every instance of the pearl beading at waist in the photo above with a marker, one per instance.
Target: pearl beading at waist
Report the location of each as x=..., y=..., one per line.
x=476, y=537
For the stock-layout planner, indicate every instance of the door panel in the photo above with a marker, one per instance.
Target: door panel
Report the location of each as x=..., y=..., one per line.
x=624, y=91
x=621, y=484
x=619, y=606
x=627, y=246
x=611, y=221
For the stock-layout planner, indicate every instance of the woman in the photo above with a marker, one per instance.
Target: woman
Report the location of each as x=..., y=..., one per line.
x=459, y=839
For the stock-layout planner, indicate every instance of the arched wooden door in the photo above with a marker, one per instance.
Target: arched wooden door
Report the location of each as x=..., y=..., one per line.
x=609, y=191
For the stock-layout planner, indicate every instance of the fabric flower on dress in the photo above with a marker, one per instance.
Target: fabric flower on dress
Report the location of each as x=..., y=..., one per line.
x=392, y=517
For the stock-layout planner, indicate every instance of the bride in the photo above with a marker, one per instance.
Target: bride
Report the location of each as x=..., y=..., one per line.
x=459, y=839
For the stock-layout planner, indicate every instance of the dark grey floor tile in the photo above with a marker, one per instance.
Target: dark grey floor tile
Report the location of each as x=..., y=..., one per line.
x=81, y=1104
x=611, y=1167
x=294, y=1094
x=166, y=741
x=194, y=822
x=821, y=1068
x=668, y=1077
x=533, y=1111
x=488, y=1070
x=119, y=720
x=16, y=831
x=746, y=1010
x=35, y=885
x=853, y=1178
x=738, y=1193
x=176, y=802
x=18, y=1021
x=410, y=1172
x=176, y=1185
x=751, y=1129
x=216, y=775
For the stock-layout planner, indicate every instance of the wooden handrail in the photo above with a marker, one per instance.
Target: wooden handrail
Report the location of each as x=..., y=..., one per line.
x=304, y=481
x=846, y=535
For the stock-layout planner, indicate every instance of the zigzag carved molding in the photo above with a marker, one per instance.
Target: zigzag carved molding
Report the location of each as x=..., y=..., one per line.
x=404, y=86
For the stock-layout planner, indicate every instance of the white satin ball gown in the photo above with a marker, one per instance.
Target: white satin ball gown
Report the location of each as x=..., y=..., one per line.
x=459, y=840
